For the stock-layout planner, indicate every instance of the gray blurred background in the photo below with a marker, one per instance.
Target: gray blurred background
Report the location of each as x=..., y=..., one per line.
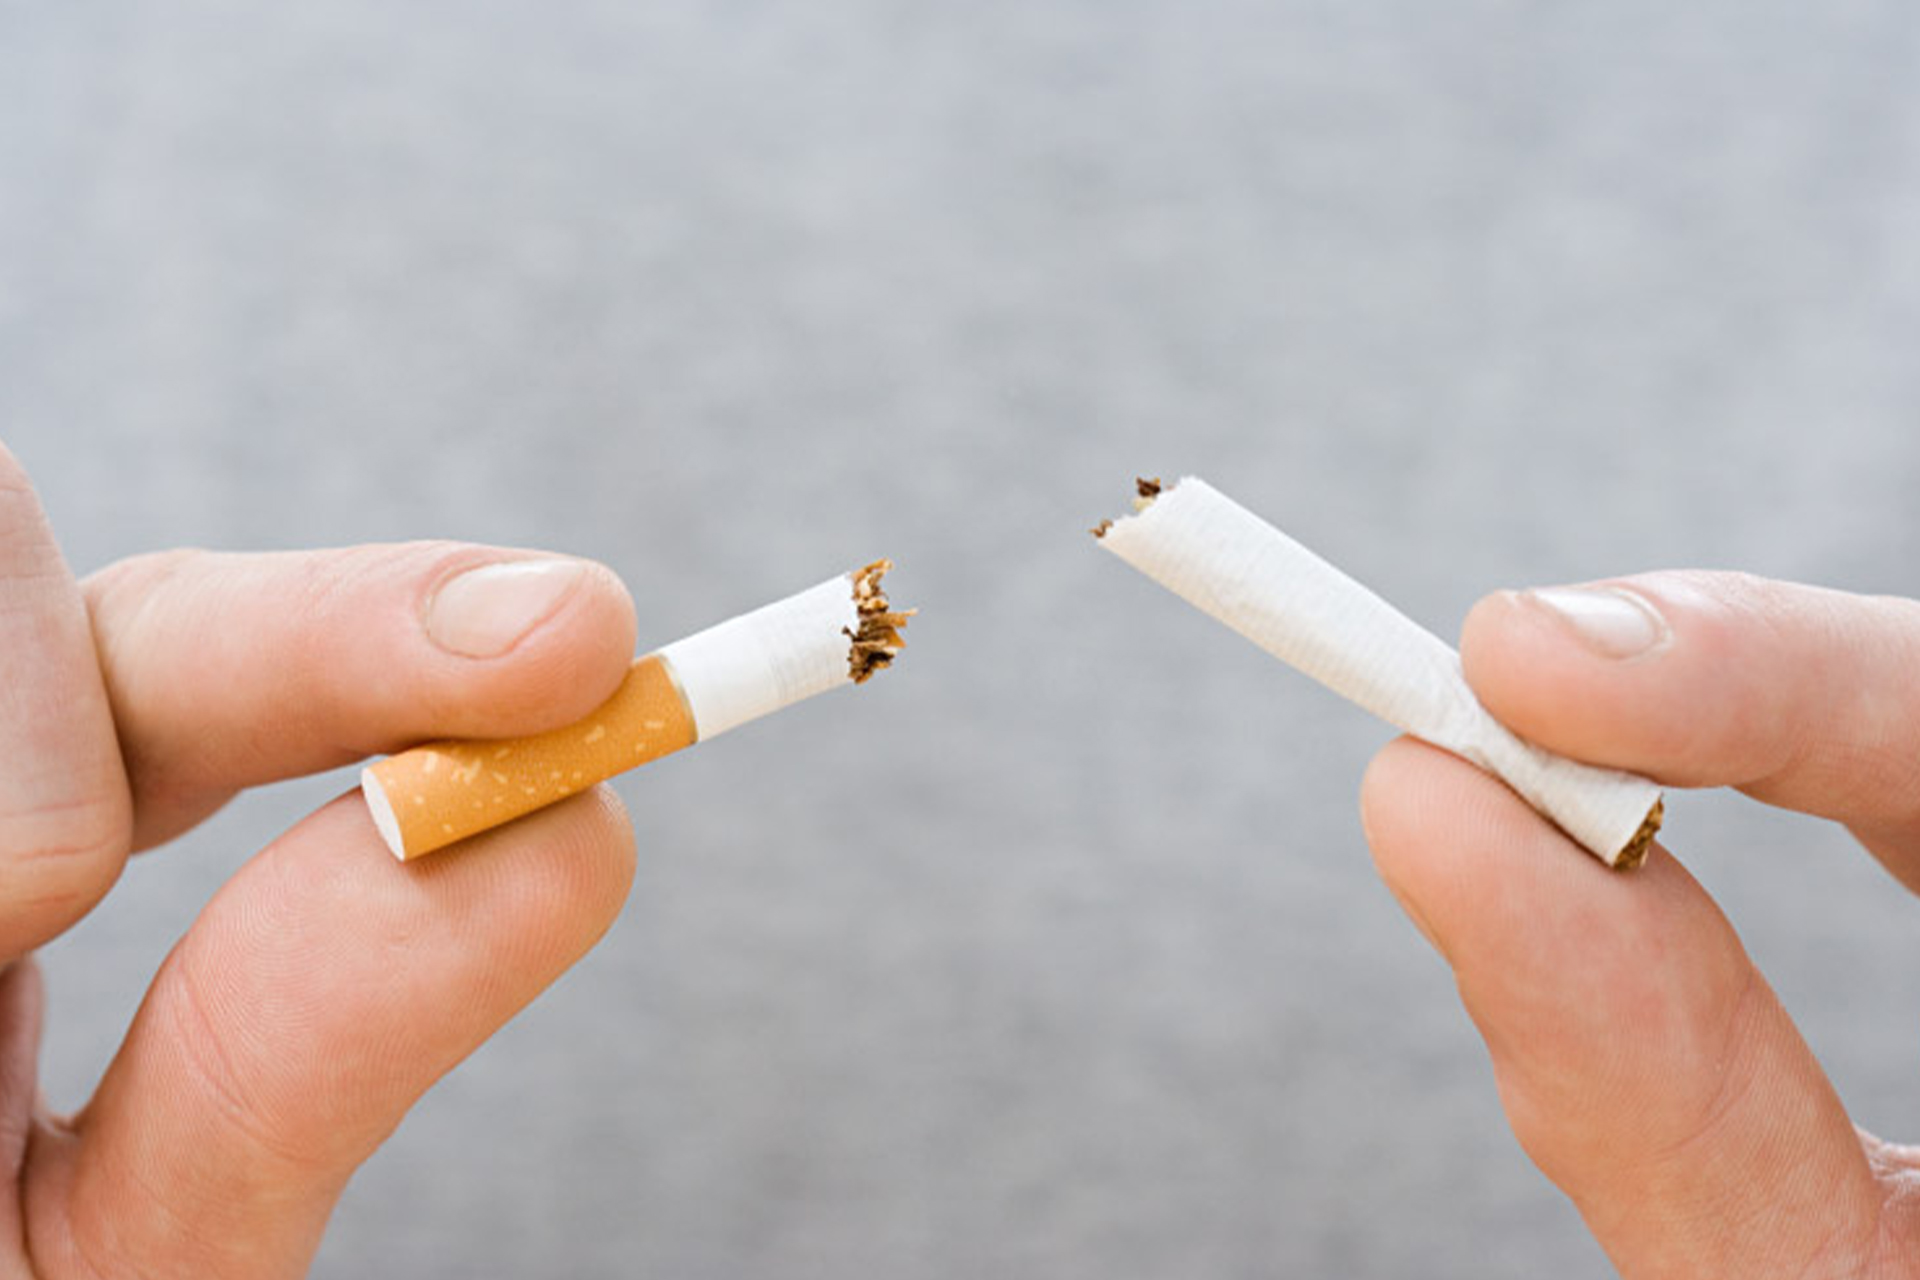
x=734, y=295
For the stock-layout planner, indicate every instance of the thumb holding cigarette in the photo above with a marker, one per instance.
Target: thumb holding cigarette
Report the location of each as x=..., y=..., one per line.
x=1642, y=1060
x=1799, y=696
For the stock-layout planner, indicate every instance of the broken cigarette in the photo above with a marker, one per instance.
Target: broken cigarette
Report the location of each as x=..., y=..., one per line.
x=1226, y=561
x=840, y=632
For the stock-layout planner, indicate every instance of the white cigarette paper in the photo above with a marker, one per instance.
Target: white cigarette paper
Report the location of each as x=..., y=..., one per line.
x=766, y=660
x=1228, y=562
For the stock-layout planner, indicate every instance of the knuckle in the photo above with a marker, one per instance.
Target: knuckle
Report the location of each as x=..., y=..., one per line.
x=55, y=867
x=27, y=547
x=123, y=601
x=124, y=589
x=69, y=847
x=337, y=577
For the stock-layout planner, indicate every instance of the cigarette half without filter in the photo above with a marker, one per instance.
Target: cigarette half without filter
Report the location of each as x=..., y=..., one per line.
x=838, y=633
x=1229, y=563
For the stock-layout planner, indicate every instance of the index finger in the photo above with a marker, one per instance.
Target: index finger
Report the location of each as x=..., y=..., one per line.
x=1801, y=696
x=229, y=671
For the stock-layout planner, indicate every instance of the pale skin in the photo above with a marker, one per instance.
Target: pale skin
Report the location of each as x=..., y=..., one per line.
x=326, y=986
x=1642, y=1060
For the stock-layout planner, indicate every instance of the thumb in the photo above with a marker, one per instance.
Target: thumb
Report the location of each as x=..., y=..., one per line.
x=321, y=992
x=1642, y=1060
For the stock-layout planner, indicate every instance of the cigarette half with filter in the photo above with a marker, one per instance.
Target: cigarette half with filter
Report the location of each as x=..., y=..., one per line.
x=838, y=633
x=1229, y=563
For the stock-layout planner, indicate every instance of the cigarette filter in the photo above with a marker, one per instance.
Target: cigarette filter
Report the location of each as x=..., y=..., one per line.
x=1226, y=561
x=837, y=633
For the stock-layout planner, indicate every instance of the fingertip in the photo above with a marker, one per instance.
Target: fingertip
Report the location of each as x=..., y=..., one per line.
x=553, y=881
x=1483, y=632
x=1442, y=833
x=1389, y=819
x=605, y=860
x=1511, y=656
x=1518, y=910
x=1697, y=678
x=1510, y=659
x=1623, y=673
x=529, y=641
x=1396, y=778
x=1446, y=835
x=1389, y=805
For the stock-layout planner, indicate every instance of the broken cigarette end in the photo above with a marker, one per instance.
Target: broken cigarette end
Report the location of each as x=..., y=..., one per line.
x=877, y=640
x=1635, y=851
x=1146, y=491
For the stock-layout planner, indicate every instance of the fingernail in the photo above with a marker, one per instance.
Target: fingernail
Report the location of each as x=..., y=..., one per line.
x=484, y=612
x=1610, y=621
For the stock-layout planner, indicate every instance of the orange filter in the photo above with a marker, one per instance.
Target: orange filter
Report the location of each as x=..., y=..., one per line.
x=433, y=795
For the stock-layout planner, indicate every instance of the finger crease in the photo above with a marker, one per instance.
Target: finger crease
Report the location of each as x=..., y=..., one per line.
x=205, y=1053
x=1737, y=1038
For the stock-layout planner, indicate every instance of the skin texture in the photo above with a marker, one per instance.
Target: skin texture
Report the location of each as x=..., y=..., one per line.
x=1642, y=1060
x=326, y=986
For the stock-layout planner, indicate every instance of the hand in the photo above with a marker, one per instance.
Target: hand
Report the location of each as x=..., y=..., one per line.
x=326, y=986
x=1642, y=1060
